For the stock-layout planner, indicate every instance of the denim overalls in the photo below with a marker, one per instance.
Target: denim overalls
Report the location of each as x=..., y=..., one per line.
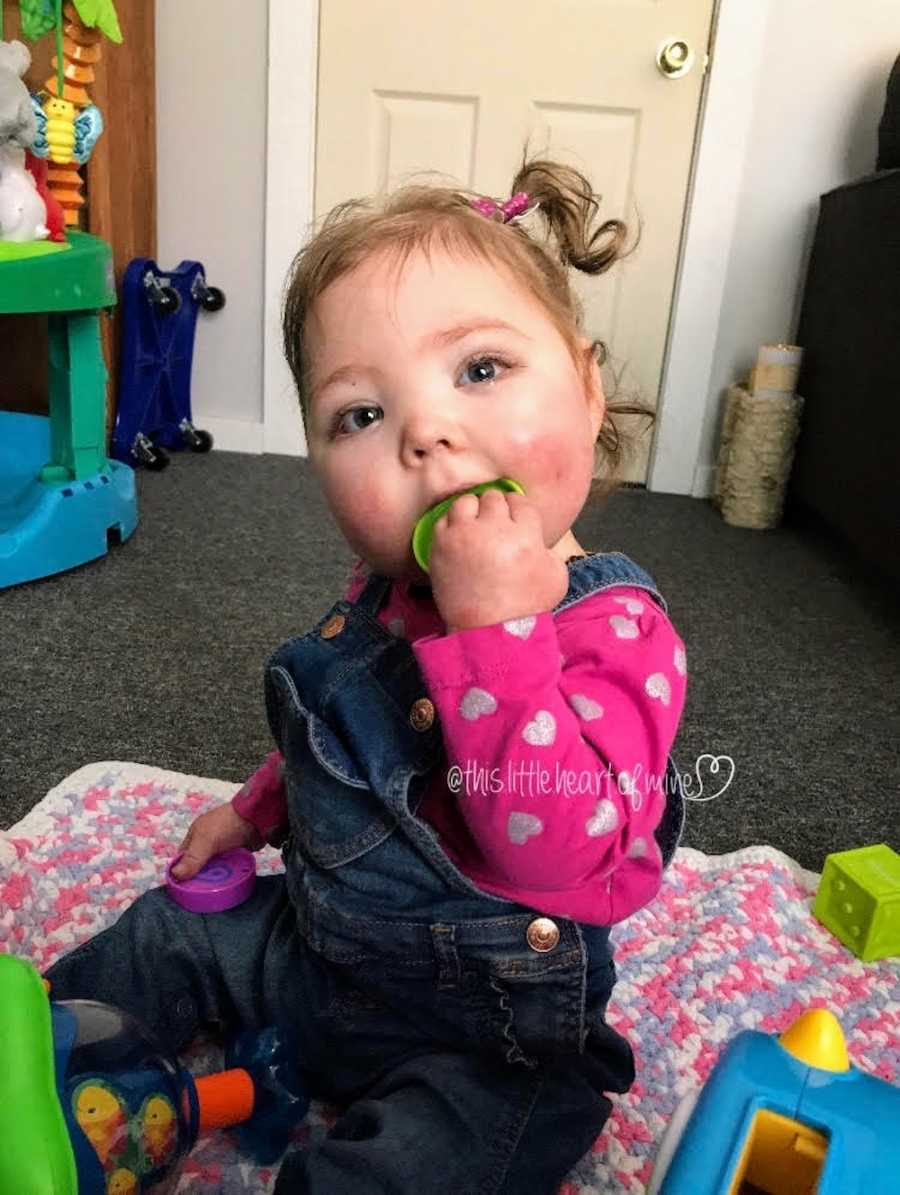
x=465, y=1031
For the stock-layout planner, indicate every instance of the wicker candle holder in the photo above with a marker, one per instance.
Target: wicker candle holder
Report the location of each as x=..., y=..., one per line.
x=755, y=457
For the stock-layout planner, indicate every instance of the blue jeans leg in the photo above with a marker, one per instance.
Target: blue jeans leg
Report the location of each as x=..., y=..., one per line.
x=179, y=972
x=462, y=1124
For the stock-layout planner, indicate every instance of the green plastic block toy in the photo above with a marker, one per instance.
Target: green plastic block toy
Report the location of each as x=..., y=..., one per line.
x=859, y=900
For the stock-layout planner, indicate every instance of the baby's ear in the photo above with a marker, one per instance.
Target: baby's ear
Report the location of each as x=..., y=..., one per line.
x=15, y=56
x=593, y=381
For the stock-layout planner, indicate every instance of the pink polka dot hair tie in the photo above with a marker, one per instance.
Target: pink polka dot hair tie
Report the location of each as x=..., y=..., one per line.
x=515, y=206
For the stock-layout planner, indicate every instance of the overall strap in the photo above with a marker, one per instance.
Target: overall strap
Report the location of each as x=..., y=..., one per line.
x=604, y=570
x=373, y=594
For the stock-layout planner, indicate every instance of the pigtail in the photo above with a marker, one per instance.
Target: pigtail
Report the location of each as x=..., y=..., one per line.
x=570, y=208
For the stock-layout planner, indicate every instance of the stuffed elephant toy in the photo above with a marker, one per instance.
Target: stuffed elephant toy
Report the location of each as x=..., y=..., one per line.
x=23, y=214
x=18, y=125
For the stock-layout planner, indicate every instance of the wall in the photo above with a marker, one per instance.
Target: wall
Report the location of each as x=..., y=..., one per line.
x=817, y=103
x=211, y=80
x=819, y=99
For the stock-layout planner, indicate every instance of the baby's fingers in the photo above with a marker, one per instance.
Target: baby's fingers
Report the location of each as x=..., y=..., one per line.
x=195, y=851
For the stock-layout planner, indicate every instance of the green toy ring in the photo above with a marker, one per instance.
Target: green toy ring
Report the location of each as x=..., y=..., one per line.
x=423, y=531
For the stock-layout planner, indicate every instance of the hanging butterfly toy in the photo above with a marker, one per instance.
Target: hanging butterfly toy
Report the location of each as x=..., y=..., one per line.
x=63, y=136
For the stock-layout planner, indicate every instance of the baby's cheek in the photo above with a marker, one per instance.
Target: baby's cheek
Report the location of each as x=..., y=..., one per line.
x=551, y=460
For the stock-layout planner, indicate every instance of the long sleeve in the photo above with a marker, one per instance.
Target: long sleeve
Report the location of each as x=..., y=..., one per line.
x=559, y=732
x=262, y=799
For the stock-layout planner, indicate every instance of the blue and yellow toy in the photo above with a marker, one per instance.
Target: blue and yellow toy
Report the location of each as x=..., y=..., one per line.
x=784, y=1115
x=93, y=1105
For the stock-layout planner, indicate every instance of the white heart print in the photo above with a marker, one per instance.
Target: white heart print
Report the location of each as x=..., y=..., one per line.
x=638, y=849
x=585, y=707
x=604, y=820
x=521, y=627
x=680, y=660
x=475, y=703
x=625, y=628
x=632, y=605
x=542, y=731
x=522, y=826
x=657, y=685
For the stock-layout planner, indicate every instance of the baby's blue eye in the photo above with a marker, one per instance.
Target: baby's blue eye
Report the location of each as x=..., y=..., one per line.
x=485, y=367
x=340, y=420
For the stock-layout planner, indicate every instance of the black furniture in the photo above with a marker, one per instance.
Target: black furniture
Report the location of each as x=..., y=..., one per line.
x=847, y=464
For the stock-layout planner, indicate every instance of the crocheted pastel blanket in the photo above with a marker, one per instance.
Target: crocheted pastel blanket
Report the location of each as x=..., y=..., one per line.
x=729, y=944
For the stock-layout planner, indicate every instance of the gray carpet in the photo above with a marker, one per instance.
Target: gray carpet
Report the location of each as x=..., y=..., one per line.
x=155, y=653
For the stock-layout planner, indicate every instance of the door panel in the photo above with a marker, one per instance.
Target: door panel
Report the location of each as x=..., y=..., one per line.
x=407, y=87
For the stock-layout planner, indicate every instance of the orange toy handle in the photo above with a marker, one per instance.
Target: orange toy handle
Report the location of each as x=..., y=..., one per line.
x=225, y=1099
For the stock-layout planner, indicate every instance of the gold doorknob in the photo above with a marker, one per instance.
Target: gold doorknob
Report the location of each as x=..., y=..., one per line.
x=674, y=58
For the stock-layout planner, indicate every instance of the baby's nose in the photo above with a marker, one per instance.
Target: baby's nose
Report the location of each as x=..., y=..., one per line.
x=425, y=436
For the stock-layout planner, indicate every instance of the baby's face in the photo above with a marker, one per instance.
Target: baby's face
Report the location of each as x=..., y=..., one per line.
x=413, y=417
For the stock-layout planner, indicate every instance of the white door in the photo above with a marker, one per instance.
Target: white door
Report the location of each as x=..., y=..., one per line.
x=410, y=86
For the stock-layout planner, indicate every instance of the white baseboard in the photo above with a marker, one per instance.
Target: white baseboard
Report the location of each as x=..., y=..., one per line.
x=242, y=435
x=704, y=481
x=233, y=435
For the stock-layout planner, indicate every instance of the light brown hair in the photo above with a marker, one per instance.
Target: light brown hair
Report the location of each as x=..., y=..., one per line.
x=418, y=216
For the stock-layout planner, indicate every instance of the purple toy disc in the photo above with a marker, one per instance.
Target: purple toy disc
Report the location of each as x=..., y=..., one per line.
x=224, y=881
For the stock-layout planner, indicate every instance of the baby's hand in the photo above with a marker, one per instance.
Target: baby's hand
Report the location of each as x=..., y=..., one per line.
x=217, y=830
x=489, y=562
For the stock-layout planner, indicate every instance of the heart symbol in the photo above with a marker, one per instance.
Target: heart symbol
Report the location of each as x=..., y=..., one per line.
x=397, y=627
x=542, y=731
x=624, y=627
x=680, y=660
x=657, y=685
x=475, y=703
x=522, y=826
x=638, y=849
x=521, y=627
x=714, y=767
x=585, y=708
x=632, y=605
x=604, y=820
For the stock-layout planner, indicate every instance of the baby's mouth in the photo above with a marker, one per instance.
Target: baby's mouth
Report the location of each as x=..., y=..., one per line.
x=452, y=494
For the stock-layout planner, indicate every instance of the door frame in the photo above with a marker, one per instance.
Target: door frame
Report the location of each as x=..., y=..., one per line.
x=721, y=141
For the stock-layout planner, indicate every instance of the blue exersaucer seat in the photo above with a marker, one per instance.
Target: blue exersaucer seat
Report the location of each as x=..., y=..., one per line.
x=62, y=501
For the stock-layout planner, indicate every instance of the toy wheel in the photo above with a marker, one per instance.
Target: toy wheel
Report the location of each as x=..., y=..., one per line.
x=158, y=460
x=212, y=299
x=166, y=300
x=197, y=440
x=146, y=453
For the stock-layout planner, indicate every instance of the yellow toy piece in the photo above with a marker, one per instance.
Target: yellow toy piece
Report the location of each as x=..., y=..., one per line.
x=60, y=129
x=817, y=1039
x=780, y=1155
x=103, y=1118
x=122, y=1182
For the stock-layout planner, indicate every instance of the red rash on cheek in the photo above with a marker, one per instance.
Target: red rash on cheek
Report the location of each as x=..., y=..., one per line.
x=545, y=460
x=358, y=506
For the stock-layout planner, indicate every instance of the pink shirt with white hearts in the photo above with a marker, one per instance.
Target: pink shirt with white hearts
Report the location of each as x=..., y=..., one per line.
x=557, y=731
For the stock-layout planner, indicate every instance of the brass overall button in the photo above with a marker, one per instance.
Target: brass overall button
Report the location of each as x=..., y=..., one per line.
x=333, y=627
x=542, y=934
x=421, y=715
